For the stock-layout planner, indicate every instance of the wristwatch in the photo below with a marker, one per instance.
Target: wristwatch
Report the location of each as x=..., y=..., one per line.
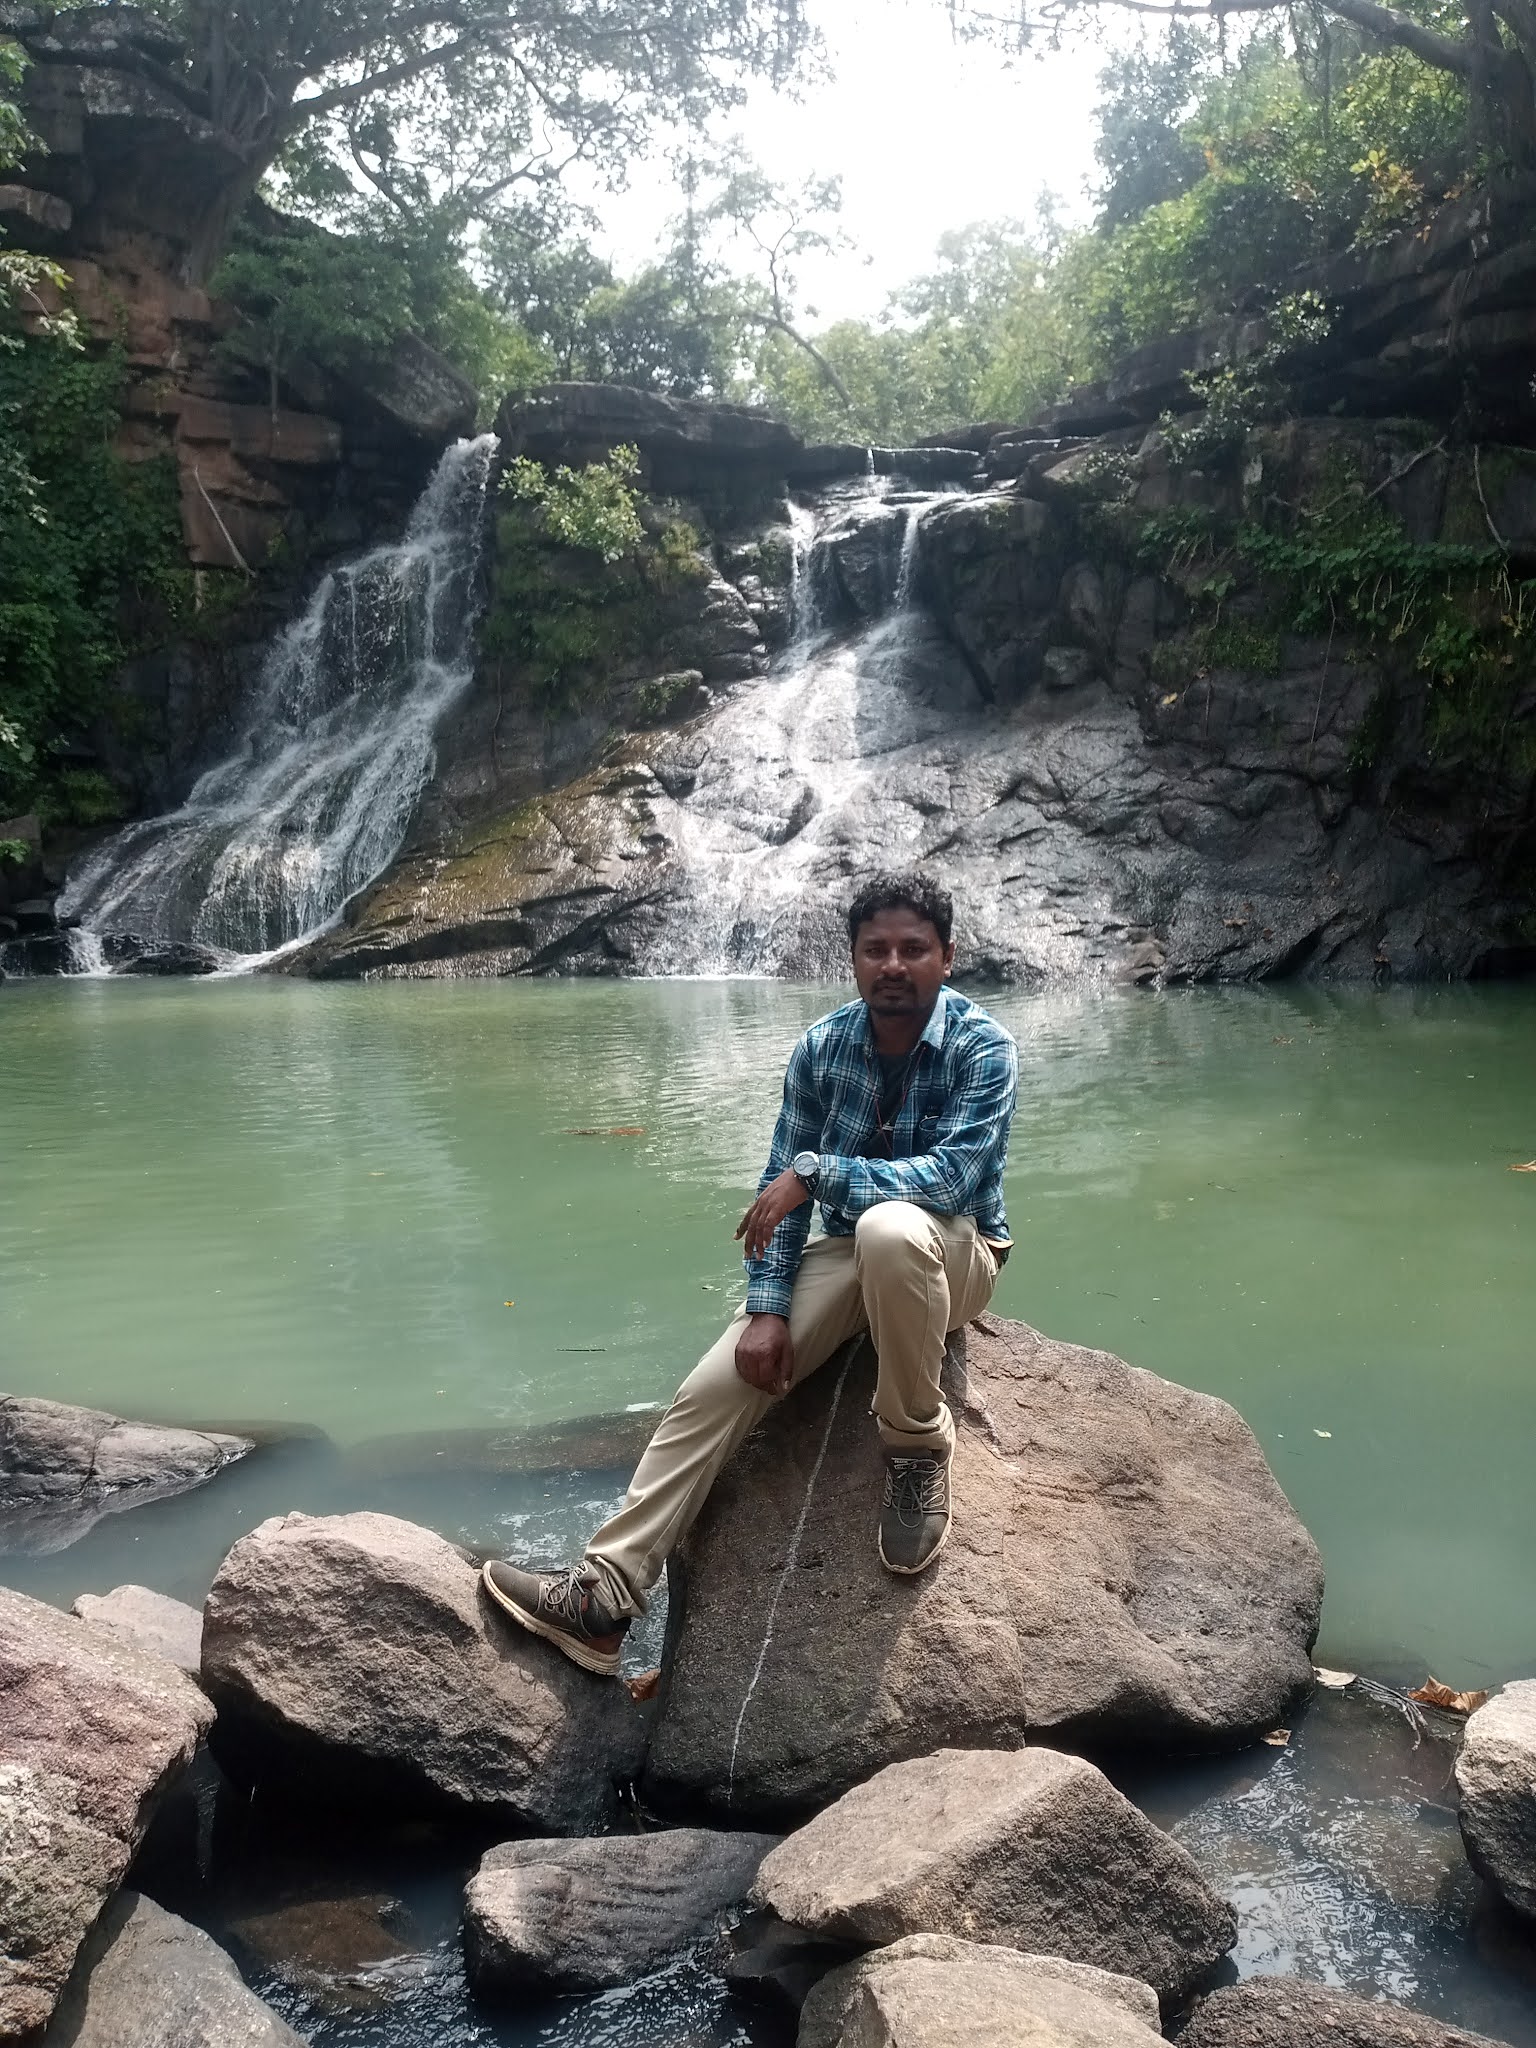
x=808, y=1166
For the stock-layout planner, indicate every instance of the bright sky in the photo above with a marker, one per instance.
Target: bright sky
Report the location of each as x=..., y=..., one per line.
x=927, y=133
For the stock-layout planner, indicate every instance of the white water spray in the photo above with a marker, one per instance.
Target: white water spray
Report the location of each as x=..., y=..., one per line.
x=337, y=750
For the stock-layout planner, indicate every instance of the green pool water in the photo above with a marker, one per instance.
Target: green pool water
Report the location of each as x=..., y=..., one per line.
x=368, y=1209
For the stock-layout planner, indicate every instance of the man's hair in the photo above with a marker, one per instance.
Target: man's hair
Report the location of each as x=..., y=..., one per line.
x=905, y=891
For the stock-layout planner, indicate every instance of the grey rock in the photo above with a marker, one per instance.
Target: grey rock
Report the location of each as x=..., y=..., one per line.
x=63, y=1468
x=583, y=1916
x=419, y=390
x=1123, y=1571
x=1026, y=1848
x=147, y=1979
x=147, y=1621
x=1287, y=2012
x=776, y=1964
x=936, y=1991
x=355, y=1653
x=1496, y=1771
x=93, y=1734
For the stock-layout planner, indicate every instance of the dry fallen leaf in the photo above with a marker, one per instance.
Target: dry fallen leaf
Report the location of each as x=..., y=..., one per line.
x=1277, y=1738
x=1526, y=1166
x=1282, y=1041
x=1334, y=1680
x=611, y=1131
x=644, y=1687
x=1433, y=1694
x=1322, y=1432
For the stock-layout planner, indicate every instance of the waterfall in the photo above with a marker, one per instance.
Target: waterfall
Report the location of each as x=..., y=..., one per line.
x=337, y=748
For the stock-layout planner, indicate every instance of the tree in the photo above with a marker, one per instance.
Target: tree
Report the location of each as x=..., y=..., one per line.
x=1489, y=46
x=472, y=98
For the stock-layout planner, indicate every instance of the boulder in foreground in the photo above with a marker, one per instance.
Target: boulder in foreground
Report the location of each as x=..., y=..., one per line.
x=63, y=1468
x=1287, y=2012
x=148, y=1621
x=583, y=1916
x=1028, y=1849
x=935, y=1991
x=91, y=1734
x=1496, y=1772
x=1123, y=1570
x=355, y=1654
x=150, y=1980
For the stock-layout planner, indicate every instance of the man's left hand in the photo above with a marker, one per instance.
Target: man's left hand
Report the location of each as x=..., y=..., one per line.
x=776, y=1201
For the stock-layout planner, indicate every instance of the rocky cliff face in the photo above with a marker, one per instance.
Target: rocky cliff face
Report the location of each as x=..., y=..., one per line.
x=1030, y=689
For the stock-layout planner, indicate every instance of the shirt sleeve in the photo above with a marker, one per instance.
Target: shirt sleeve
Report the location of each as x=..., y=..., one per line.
x=971, y=1142
x=771, y=1279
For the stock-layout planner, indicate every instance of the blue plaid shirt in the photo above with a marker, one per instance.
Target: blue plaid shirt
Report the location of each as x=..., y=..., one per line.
x=950, y=1139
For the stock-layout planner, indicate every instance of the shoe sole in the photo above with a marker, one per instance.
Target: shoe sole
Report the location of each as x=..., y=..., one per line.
x=604, y=1663
x=912, y=1571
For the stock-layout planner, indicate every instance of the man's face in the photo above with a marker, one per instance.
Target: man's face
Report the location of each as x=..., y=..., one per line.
x=899, y=963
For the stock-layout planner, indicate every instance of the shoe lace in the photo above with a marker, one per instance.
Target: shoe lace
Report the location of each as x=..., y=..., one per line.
x=564, y=1598
x=915, y=1487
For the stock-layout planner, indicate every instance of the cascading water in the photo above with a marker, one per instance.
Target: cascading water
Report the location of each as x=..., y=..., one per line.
x=337, y=749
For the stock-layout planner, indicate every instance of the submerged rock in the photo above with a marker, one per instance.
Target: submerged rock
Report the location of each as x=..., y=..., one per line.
x=1025, y=1848
x=150, y=1980
x=1496, y=1772
x=1286, y=2012
x=582, y=1916
x=92, y=1734
x=1123, y=1570
x=147, y=1621
x=63, y=1468
x=935, y=1991
x=354, y=1654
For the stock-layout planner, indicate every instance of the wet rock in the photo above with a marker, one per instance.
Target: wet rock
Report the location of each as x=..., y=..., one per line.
x=1496, y=1772
x=935, y=1991
x=92, y=1735
x=1027, y=1848
x=582, y=1916
x=864, y=550
x=147, y=1621
x=63, y=1468
x=147, y=1979
x=354, y=1655
x=928, y=465
x=1123, y=1571
x=774, y=1963
x=329, y=1946
x=1286, y=2012
x=182, y=957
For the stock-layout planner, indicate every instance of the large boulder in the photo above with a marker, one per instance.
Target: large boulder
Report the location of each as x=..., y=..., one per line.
x=583, y=1916
x=63, y=1468
x=149, y=1621
x=147, y=1979
x=1496, y=1772
x=1123, y=1570
x=1027, y=1848
x=1287, y=2012
x=934, y=1991
x=92, y=1733
x=357, y=1654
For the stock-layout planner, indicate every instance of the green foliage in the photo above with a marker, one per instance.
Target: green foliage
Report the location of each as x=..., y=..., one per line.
x=655, y=699
x=91, y=565
x=14, y=853
x=579, y=586
x=597, y=507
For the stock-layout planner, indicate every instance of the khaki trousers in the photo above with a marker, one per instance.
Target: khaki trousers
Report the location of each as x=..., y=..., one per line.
x=906, y=1276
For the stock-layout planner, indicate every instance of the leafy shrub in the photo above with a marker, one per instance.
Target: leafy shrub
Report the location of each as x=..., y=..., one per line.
x=597, y=507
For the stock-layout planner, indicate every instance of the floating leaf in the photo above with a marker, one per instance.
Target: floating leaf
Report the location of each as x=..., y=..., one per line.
x=1323, y=1432
x=1277, y=1738
x=644, y=1687
x=610, y=1131
x=1526, y=1166
x=1433, y=1694
x=1334, y=1680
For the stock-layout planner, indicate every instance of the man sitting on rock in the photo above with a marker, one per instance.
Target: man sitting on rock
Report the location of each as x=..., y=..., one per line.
x=895, y=1119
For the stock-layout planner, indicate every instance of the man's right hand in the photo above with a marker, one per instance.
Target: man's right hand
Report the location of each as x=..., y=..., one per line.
x=765, y=1358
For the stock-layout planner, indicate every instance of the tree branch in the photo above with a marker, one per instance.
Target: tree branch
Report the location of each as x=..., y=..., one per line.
x=1390, y=24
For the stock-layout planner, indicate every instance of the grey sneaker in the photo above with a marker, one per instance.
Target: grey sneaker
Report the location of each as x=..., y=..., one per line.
x=563, y=1610
x=914, y=1515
